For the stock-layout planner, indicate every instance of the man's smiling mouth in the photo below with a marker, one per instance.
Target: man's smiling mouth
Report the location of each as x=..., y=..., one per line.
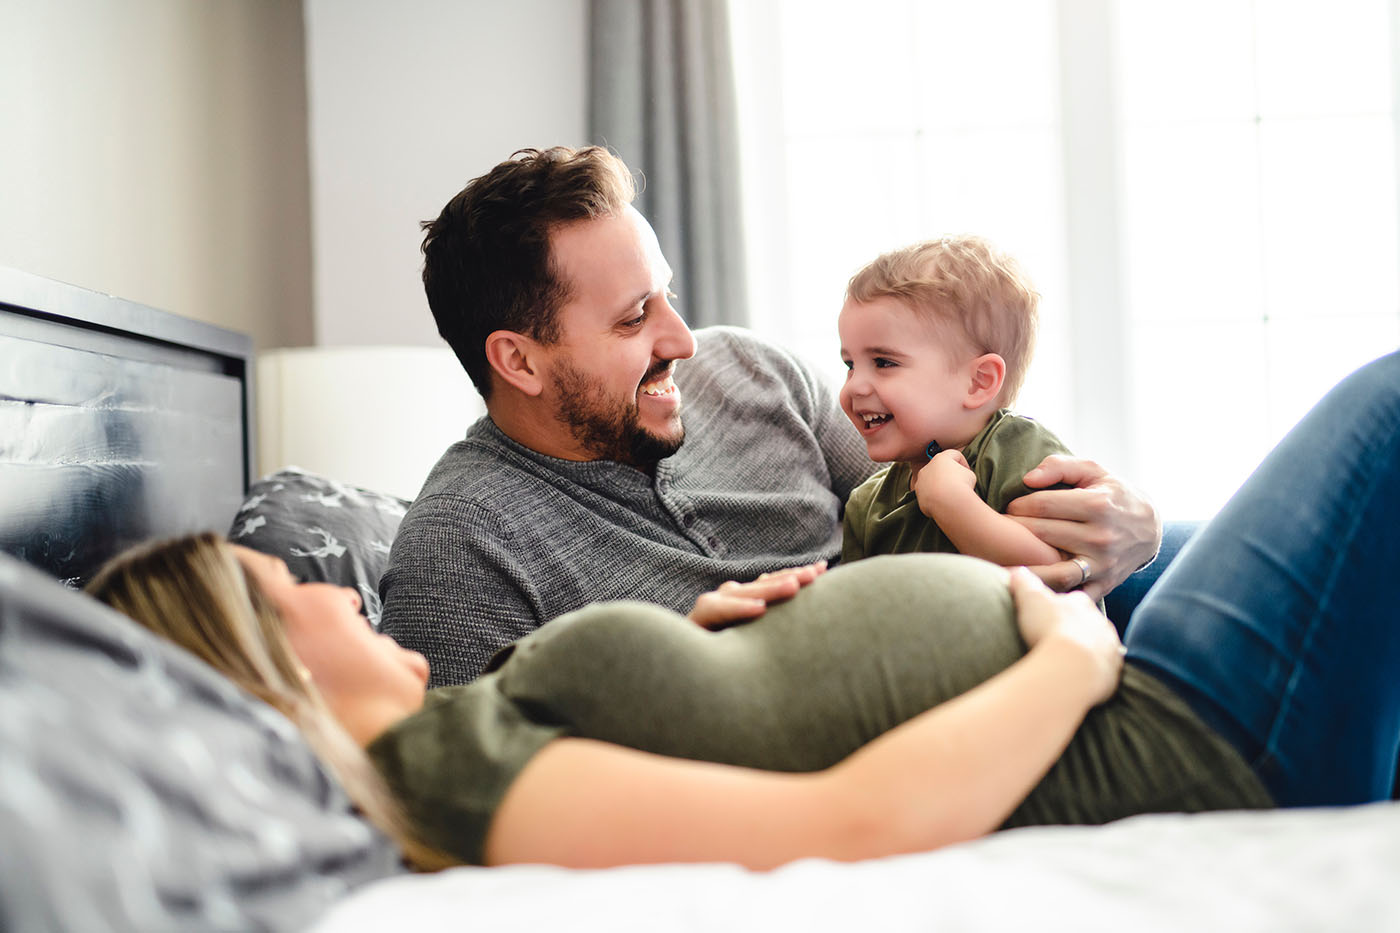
x=659, y=387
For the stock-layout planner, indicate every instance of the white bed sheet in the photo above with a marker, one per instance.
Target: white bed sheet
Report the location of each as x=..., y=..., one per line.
x=1322, y=869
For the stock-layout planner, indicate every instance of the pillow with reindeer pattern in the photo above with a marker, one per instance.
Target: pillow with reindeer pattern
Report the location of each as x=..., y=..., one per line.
x=326, y=531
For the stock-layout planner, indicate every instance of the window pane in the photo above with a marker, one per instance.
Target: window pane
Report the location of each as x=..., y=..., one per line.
x=1007, y=185
x=1329, y=216
x=847, y=65
x=1191, y=223
x=1001, y=184
x=1321, y=58
x=991, y=63
x=1308, y=357
x=1261, y=241
x=1199, y=412
x=849, y=200
x=1249, y=192
x=1187, y=60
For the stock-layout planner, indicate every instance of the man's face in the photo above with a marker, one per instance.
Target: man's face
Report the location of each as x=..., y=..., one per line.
x=610, y=372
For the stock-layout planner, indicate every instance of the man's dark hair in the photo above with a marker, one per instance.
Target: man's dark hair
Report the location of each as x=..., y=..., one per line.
x=486, y=258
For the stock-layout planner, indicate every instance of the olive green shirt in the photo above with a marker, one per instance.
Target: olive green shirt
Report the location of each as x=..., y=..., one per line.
x=883, y=515
x=857, y=652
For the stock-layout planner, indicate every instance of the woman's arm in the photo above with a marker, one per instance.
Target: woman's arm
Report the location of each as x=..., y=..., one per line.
x=952, y=773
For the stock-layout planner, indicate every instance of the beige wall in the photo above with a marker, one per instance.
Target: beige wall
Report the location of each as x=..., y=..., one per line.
x=409, y=100
x=156, y=150
x=165, y=150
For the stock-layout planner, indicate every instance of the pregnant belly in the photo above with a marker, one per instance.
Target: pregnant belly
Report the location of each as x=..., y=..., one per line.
x=860, y=650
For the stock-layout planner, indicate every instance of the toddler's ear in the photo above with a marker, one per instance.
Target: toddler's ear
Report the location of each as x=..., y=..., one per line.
x=987, y=375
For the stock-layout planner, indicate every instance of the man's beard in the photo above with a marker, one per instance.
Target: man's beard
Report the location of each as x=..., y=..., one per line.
x=609, y=432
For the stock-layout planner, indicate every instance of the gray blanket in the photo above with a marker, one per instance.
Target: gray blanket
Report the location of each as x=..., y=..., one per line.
x=141, y=791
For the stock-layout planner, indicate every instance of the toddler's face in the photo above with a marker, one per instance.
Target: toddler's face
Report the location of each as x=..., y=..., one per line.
x=904, y=386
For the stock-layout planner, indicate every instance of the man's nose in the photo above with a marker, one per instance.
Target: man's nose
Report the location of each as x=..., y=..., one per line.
x=675, y=341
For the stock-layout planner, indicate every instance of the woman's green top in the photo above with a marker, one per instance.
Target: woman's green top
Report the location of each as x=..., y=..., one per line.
x=860, y=650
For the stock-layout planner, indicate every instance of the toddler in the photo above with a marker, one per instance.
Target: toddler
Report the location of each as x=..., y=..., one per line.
x=936, y=338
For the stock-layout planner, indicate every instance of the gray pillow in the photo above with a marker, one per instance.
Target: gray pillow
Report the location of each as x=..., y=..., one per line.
x=326, y=531
x=140, y=790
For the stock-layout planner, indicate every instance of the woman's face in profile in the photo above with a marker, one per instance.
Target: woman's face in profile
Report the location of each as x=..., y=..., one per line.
x=347, y=659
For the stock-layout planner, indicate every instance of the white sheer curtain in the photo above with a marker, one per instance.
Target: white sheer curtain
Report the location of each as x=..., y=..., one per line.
x=1205, y=192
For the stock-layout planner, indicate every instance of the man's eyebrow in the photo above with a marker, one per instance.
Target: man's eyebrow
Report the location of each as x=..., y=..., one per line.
x=641, y=299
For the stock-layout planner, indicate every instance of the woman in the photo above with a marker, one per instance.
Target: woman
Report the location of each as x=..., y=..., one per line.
x=1262, y=665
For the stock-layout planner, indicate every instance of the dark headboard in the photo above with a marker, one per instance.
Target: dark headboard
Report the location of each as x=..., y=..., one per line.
x=118, y=423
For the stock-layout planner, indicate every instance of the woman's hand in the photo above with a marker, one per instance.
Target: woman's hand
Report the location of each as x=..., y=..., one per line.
x=740, y=602
x=1102, y=520
x=1069, y=623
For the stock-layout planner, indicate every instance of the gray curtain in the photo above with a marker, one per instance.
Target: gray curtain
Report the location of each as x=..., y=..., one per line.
x=662, y=97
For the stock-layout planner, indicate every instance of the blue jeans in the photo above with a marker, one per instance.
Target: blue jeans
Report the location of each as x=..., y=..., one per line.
x=1277, y=624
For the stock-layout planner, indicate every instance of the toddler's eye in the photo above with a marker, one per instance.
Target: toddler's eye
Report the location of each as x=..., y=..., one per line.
x=883, y=363
x=848, y=364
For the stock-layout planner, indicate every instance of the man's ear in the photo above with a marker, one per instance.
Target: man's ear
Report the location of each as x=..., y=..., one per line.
x=516, y=359
x=987, y=374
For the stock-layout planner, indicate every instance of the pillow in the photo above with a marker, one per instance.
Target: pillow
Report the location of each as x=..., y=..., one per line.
x=144, y=791
x=326, y=531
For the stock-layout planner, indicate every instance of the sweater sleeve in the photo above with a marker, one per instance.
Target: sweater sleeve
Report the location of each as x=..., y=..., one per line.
x=456, y=588
x=846, y=457
x=844, y=452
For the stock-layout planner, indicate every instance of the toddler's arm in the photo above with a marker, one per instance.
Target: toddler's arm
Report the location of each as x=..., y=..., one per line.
x=946, y=489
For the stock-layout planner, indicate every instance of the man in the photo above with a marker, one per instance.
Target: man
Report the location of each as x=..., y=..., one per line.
x=584, y=482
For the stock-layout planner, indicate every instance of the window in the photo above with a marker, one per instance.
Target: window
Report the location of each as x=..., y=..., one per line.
x=1203, y=191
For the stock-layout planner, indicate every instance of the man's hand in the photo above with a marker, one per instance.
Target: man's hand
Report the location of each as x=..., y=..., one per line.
x=934, y=481
x=739, y=602
x=1114, y=528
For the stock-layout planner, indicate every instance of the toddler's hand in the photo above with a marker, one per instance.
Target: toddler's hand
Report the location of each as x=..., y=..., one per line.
x=945, y=473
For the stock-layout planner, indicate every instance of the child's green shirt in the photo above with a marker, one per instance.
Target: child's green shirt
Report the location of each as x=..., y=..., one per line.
x=883, y=516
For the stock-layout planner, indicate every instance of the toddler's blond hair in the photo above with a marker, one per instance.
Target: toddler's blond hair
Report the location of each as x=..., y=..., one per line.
x=973, y=294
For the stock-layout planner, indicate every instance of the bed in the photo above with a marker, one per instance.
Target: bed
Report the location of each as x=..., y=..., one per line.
x=141, y=791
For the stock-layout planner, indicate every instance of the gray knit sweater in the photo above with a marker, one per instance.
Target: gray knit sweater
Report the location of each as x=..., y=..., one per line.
x=502, y=538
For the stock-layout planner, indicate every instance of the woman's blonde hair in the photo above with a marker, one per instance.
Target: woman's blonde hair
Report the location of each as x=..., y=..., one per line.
x=193, y=591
